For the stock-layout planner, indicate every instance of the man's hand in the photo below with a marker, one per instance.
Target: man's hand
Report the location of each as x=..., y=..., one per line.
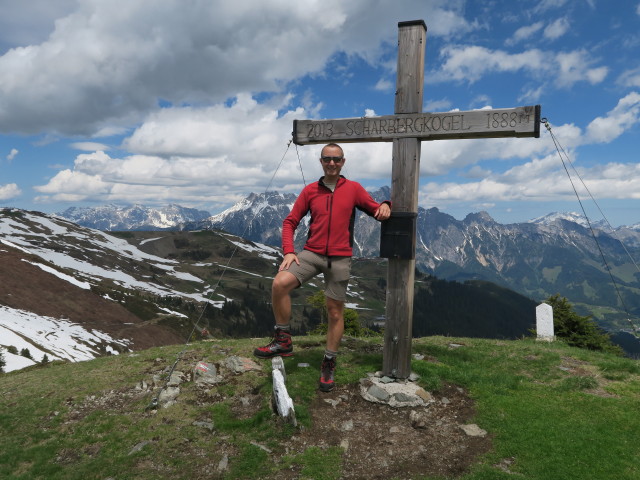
x=289, y=258
x=383, y=212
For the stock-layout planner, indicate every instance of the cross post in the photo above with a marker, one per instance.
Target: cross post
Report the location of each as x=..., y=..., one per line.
x=407, y=128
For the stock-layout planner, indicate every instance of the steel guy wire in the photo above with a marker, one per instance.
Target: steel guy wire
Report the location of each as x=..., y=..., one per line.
x=154, y=401
x=560, y=151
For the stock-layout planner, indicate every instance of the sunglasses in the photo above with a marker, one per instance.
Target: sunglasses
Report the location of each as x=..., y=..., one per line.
x=335, y=160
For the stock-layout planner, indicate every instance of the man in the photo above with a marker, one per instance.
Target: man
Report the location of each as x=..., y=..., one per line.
x=332, y=201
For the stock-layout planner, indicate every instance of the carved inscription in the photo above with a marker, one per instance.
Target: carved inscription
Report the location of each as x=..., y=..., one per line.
x=421, y=124
x=516, y=122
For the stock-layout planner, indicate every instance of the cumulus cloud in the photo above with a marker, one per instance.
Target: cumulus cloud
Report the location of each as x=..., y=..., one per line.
x=470, y=63
x=541, y=179
x=523, y=33
x=9, y=191
x=624, y=116
x=89, y=146
x=552, y=31
x=556, y=29
x=202, y=155
x=197, y=93
x=108, y=64
x=630, y=78
x=12, y=154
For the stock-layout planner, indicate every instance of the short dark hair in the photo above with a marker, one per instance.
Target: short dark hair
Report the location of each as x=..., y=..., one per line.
x=335, y=145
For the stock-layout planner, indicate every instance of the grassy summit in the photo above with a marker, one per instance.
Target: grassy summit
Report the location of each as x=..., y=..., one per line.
x=550, y=412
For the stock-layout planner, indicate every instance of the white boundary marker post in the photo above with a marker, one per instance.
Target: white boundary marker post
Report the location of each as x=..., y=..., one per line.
x=280, y=398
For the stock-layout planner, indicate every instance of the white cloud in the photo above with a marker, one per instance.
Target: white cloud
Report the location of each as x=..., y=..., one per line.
x=574, y=68
x=12, y=154
x=556, y=29
x=90, y=146
x=470, y=63
x=624, y=116
x=441, y=105
x=523, y=33
x=546, y=5
x=9, y=191
x=538, y=180
x=202, y=155
x=630, y=78
x=384, y=85
x=28, y=23
x=106, y=65
x=543, y=177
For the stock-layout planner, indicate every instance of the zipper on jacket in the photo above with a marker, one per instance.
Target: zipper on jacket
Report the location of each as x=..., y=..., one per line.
x=330, y=206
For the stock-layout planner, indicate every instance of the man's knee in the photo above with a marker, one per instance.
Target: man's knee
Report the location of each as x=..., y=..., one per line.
x=283, y=283
x=335, y=309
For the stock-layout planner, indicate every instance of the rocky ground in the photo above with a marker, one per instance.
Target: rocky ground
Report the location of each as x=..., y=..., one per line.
x=382, y=442
x=379, y=441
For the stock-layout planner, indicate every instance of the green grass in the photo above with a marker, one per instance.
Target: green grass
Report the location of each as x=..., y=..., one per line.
x=556, y=411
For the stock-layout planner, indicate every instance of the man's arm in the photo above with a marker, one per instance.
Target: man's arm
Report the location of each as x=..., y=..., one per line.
x=380, y=211
x=299, y=210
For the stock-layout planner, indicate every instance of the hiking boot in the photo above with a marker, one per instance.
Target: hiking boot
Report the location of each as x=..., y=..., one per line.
x=280, y=345
x=327, y=370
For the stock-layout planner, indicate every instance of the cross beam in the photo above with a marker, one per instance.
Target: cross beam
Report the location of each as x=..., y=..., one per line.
x=495, y=123
x=407, y=128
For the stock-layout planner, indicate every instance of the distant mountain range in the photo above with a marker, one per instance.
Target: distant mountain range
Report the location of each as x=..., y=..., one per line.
x=552, y=254
x=74, y=293
x=135, y=217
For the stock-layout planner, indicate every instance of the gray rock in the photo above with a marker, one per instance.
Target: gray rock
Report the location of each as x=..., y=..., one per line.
x=394, y=394
x=224, y=463
x=418, y=419
x=378, y=393
x=139, y=447
x=208, y=425
x=241, y=364
x=176, y=379
x=473, y=430
x=168, y=396
x=402, y=397
x=206, y=373
x=347, y=426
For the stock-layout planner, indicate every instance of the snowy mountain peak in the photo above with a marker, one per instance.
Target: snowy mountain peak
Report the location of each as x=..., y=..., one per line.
x=550, y=218
x=133, y=217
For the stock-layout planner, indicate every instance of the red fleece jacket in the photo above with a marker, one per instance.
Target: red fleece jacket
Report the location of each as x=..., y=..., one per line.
x=332, y=217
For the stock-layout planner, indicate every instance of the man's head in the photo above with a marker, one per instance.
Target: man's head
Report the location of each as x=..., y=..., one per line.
x=332, y=160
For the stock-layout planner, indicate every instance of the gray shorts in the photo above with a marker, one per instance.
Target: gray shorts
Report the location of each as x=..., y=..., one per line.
x=336, y=278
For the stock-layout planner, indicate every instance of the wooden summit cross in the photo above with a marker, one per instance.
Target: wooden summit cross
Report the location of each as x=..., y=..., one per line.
x=407, y=128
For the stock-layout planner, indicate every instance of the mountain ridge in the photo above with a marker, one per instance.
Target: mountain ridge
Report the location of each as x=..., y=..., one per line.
x=555, y=253
x=72, y=293
x=548, y=255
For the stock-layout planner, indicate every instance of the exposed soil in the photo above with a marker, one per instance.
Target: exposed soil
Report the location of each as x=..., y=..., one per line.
x=378, y=441
x=382, y=442
x=27, y=287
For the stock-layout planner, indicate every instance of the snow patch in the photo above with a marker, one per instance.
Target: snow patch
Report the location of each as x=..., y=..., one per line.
x=59, y=339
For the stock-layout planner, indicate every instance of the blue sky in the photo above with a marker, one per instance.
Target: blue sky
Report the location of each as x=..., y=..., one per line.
x=192, y=102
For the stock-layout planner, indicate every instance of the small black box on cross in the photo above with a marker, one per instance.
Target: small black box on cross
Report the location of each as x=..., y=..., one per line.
x=398, y=236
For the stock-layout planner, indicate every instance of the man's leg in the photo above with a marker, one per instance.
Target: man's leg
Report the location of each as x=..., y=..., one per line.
x=335, y=330
x=280, y=296
x=281, y=304
x=335, y=311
